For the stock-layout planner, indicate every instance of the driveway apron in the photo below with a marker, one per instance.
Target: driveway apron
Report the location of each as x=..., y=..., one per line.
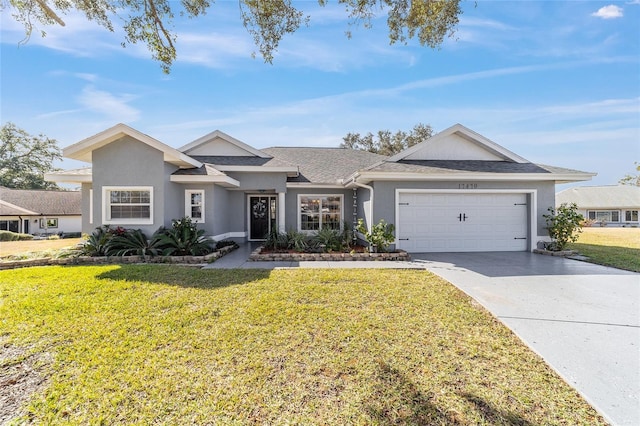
x=583, y=319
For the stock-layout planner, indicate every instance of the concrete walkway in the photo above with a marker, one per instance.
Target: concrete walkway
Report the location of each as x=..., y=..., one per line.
x=239, y=259
x=583, y=319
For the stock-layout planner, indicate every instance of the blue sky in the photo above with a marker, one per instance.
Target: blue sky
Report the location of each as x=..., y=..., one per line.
x=556, y=82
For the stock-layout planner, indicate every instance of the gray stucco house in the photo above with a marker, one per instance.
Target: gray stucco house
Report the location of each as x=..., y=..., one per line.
x=457, y=191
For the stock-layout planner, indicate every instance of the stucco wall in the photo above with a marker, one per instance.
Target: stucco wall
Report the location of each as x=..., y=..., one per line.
x=128, y=162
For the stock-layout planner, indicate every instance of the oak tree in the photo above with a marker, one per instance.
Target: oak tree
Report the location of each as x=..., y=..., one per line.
x=151, y=21
x=387, y=143
x=24, y=158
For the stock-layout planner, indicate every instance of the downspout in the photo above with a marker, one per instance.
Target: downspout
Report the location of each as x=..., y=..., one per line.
x=362, y=185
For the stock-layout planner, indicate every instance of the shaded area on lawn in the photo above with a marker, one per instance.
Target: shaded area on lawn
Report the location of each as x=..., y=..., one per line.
x=153, y=344
x=175, y=275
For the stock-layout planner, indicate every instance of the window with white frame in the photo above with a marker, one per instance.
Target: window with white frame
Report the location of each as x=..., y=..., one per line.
x=320, y=211
x=127, y=205
x=604, y=215
x=194, y=204
x=631, y=215
x=48, y=223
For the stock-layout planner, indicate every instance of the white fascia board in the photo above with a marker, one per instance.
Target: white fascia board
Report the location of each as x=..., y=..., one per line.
x=558, y=178
x=218, y=134
x=20, y=209
x=82, y=150
x=221, y=180
x=68, y=177
x=290, y=171
x=302, y=185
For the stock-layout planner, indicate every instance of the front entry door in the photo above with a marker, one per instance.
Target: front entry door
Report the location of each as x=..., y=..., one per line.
x=262, y=216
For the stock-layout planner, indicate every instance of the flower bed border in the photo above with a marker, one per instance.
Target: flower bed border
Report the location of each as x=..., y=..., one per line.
x=107, y=260
x=258, y=256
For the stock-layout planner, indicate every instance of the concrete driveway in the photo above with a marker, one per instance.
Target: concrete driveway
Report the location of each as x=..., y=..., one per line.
x=583, y=319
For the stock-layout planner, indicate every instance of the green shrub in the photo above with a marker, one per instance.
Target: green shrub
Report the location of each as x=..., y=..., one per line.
x=14, y=236
x=183, y=239
x=297, y=240
x=276, y=240
x=97, y=243
x=380, y=237
x=564, y=224
x=133, y=243
x=328, y=239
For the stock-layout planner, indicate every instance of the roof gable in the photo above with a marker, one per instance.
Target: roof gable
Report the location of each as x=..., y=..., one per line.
x=218, y=143
x=458, y=143
x=83, y=150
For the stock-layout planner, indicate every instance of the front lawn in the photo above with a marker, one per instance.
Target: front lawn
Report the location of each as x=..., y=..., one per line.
x=163, y=344
x=28, y=247
x=617, y=247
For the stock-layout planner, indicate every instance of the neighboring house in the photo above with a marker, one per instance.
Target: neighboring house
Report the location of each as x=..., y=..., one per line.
x=32, y=211
x=611, y=205
x=457, y=191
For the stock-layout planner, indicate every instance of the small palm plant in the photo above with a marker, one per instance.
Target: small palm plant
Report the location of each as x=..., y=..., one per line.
x=133, y=242
x=183, y=239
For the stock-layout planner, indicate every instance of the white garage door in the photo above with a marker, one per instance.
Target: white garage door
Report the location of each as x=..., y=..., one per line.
x=448, y=222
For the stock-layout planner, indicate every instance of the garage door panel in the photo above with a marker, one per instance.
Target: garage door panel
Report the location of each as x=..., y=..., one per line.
x=489, y=222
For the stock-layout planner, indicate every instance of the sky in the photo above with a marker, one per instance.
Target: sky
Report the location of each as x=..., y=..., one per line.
x=556, y=82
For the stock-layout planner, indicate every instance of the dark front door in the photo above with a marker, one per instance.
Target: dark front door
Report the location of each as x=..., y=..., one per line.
x=262, y=216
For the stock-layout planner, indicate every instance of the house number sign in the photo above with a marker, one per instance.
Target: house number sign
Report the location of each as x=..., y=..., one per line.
x=467, y=186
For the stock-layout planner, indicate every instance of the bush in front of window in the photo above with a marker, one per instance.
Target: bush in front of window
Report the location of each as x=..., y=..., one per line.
x=184, y=239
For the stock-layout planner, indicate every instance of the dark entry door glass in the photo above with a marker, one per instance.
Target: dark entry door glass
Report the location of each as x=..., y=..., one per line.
x=260, y=209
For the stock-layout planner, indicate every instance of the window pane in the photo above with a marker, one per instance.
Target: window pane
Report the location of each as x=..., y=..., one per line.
x=592, y=215
x=196, y=212
x=309, y=214
x=196, y=198
x=331, y=212
x=615, y=216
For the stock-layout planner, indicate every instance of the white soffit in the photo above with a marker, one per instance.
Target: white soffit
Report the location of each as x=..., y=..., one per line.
x=218, y=143
x=458, y=143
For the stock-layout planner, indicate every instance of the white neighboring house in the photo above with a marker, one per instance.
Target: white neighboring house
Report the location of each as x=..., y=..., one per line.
x=40, y=212
x=609, y=205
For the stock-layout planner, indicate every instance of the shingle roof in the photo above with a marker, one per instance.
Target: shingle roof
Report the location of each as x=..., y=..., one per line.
x=43, y=202
x=242, y=161
x=456, y=166
x=324, y=165
x=205, y=170
x=608, y=196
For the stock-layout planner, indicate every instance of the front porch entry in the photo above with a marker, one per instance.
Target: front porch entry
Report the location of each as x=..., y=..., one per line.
x=263, y=216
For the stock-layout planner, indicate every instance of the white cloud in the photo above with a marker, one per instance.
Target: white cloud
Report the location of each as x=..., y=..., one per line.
x=115, y=108
x=608, y=12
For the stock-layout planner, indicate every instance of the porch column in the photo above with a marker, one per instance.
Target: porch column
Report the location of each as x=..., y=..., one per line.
x=281, y=224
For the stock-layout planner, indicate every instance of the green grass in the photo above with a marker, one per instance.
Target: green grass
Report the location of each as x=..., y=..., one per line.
x=617, y=247
x=142, y=344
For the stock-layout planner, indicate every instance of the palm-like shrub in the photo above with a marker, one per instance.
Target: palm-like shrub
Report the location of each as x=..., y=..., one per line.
x=183, y=239
x=97, y=243
x=131, y=243
x=329, y=239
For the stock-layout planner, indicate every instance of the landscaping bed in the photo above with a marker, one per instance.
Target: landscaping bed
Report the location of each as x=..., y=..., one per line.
x=103, y=260
x=262, y=255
